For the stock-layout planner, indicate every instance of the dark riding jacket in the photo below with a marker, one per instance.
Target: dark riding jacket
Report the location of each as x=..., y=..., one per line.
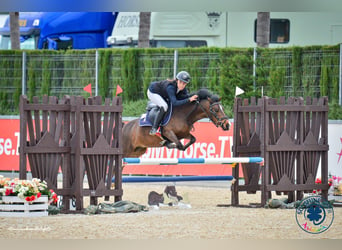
x=168, y=90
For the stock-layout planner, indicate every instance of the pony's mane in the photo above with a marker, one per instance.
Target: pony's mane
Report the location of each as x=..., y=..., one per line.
x=205, y=93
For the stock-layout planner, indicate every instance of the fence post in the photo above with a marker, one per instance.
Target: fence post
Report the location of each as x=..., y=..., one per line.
x=96, y=72
x=175, y=62
x=23, y=79
x=254, y=67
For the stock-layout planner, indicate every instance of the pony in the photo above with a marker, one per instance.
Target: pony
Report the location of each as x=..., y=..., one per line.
x=136, y=138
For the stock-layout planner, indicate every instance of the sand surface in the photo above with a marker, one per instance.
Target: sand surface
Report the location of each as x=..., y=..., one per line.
x=210, y=217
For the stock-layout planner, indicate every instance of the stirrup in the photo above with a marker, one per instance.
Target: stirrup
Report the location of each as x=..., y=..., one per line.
x=153, y=131
x=156, y=132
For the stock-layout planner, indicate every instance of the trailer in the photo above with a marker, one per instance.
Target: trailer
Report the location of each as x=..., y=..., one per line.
x=228, y=29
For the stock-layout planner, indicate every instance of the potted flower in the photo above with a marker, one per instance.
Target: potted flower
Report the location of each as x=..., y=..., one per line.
x=319, y=181
x=28, y=190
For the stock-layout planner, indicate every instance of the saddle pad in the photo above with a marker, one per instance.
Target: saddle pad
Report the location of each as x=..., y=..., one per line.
x=145, y=121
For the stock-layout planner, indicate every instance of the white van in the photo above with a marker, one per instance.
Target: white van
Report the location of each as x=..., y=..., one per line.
x=228, y=29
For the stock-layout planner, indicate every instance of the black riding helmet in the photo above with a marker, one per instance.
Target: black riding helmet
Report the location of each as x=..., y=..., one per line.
x=183, y=76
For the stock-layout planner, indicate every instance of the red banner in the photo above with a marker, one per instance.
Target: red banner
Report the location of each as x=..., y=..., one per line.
x=9, y=144
x=211, y=142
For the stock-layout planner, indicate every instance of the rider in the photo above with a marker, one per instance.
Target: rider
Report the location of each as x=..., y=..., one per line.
x=173, y=91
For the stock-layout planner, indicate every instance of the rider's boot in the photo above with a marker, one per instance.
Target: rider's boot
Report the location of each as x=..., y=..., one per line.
x=157, y=121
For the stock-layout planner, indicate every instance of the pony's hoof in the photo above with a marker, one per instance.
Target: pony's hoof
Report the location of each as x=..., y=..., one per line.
x=171, y=145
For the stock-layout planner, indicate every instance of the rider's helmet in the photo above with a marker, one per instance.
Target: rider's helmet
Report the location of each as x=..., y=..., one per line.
x=183, y=76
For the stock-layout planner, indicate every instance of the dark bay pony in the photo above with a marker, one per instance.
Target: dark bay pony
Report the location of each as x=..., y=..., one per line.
x=136, y=139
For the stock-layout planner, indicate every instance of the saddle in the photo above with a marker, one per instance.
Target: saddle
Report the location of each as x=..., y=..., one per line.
x=146, y=120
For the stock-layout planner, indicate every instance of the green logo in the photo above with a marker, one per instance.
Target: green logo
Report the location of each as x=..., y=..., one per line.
x=314, y=214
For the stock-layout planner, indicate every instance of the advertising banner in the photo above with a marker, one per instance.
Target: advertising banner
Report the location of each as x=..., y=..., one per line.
x=9, y=144
x=211, y=142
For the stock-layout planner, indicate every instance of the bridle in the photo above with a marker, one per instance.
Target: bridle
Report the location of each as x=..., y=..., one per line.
x=221, y=120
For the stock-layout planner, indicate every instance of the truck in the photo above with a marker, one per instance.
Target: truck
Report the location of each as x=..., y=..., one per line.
x=61, y=30
x=228, y=29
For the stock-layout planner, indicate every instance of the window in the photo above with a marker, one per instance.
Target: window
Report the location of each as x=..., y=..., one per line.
x=26, y=42
x=178, y=43
x=62, y=42
x=279, y=30
x=163, y=43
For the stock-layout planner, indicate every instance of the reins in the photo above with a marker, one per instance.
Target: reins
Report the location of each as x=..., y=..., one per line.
x=189, y=114
x=219, y=120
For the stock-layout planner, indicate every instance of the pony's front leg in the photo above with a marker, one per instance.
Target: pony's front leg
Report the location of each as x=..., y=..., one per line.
x=172, y=140
x=192, y=141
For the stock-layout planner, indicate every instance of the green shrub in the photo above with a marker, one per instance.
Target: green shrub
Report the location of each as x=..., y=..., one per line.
x=134, y=108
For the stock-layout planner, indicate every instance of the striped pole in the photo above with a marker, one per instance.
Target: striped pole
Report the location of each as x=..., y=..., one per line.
x=176, y=178
x=175, y=161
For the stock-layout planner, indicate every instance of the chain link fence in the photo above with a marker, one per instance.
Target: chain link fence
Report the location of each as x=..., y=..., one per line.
x=309, y=78
x=69, y=73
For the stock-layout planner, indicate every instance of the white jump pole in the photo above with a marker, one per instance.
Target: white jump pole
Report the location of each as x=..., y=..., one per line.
x=175, y=161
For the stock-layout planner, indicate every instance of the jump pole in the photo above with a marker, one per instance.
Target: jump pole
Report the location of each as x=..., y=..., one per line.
x=176, y=161
x=176, y=178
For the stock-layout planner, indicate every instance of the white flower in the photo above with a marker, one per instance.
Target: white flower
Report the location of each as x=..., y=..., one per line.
x=21, y=196
x=23, y=189
x=36, y=181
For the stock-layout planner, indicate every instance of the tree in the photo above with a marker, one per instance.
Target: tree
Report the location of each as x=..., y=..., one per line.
x=14, y=27
x=263, y=29
x=144, y=29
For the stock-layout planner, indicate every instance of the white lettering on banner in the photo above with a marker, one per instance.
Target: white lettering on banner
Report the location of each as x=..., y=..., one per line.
x=220, y=148
x=6, y=146
x=211, y=150
x=169, y=152
x=223, y=140
x=159, y=153
x=202, y=147
x=17, y=134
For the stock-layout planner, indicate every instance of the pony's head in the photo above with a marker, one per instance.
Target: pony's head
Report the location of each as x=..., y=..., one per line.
x=211, y=105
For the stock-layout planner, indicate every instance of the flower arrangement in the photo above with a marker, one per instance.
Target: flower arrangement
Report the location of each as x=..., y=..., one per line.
x=335, y=182
x=28, y=190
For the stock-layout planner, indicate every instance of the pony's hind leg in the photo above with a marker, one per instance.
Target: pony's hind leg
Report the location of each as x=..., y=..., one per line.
x=135, y=152
x=139, y=151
